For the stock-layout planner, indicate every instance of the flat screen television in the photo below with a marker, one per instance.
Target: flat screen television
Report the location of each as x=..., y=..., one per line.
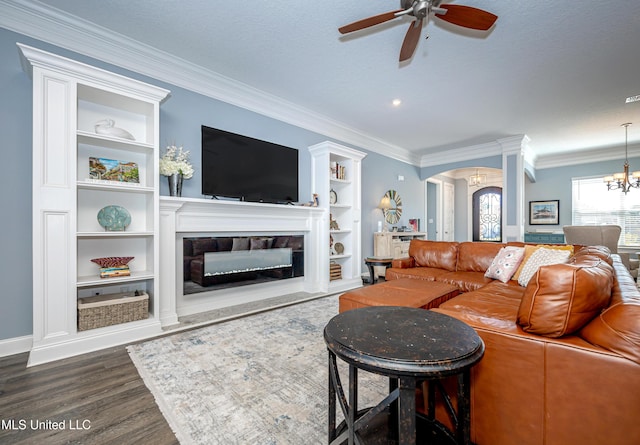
x=248, y=169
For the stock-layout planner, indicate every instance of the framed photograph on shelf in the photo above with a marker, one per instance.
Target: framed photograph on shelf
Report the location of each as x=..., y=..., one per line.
x=544, y=212
x=103, y=169
x=414, y=224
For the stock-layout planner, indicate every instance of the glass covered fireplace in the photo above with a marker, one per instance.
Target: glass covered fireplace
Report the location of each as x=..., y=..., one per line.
x=212, y=263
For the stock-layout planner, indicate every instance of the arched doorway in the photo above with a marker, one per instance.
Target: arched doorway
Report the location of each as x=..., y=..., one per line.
x=487, y=214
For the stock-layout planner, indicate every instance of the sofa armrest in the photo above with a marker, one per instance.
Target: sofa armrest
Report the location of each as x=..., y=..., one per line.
x=403, y=263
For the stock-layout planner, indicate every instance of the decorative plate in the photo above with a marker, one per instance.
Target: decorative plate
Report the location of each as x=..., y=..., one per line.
x=392, y=215
x=333, y=197
x=114, y=218
x=112, y=261
x=339, y=248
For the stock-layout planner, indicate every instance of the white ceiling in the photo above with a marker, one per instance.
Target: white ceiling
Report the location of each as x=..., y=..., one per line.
x=556, y=71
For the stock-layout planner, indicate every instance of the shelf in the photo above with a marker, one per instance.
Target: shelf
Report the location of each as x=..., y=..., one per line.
x=95, y=280
x=114, y=186
x=340, y=231
x=340, y=206
x=338, y=257
x=114, y=234
x=85, y=137
x=340, y=181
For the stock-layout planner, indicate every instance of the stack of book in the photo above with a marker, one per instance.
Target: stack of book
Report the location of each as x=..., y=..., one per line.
x=118, y=271
x=335, y=271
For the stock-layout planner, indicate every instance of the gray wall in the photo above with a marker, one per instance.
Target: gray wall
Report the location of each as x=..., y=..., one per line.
x=180, y=119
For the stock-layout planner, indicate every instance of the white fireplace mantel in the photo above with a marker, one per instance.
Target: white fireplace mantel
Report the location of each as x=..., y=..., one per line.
x=180, y=217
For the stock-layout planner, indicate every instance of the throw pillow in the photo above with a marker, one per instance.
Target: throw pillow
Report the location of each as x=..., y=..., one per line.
x=528, y=251
x=541, y=257
x=568, y=247
x=505, y=263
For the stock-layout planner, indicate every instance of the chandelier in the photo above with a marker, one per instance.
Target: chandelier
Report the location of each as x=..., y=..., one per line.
x=477, y=180
x=624, y=181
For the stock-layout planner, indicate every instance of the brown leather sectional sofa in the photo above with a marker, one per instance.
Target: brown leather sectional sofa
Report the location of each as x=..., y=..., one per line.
x=562, y=360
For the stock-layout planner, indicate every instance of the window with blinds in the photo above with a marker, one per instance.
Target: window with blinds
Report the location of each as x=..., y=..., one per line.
x=593, y=204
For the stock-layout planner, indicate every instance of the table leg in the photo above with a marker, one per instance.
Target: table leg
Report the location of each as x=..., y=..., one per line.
x=464, y=411
x=407, y=411
x=353, y=402
x=372, y=278
x=332, y=399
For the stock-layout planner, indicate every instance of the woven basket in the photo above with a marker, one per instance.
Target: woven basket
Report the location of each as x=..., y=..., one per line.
x=109, y=309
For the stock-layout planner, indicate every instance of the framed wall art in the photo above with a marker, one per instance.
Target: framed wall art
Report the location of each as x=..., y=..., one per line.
x=544, y=212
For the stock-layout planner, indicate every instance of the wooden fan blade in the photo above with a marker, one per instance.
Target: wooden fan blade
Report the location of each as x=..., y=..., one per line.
x=370, y=21
x=468, y=17
x=410, y=40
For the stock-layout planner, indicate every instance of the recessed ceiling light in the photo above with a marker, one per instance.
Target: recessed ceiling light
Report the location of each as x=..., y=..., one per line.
x=633, y=99
x=396, y=102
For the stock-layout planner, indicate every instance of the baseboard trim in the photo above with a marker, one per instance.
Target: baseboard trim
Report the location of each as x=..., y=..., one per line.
x=16, y=345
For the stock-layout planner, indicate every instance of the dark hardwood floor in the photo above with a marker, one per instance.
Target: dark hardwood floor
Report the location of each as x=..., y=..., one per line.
x=99, y=398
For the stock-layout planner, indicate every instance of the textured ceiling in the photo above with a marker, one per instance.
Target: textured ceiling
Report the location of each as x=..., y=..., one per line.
x=558, y=72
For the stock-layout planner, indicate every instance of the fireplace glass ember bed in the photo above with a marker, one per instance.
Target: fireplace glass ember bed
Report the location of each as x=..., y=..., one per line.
x=211, y=263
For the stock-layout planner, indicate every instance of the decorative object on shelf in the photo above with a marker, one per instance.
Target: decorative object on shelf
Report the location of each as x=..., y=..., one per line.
x=104, y=169
x=175, y=164
x=414, y=223
x=109, y=309
x=314, y=203
x=478, y=179
x=338, y=171
x=339, y=247
x=106, y=127
x=333, y=224
x=544, y=212
x=335, y=271
x=333, y=197
x=623, y=181
x=394, y=211
x=114, y=218
x=113, y=266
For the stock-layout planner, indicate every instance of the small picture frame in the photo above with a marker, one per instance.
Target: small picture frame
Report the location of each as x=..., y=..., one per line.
x=414, y=223
x=103, y=169
x=544, y=212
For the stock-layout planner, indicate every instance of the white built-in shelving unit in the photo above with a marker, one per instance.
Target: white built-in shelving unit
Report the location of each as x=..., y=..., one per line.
x=68, y=99
x=337, y=168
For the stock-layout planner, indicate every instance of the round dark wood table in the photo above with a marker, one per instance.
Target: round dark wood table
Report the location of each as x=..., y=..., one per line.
x=376, y=261
x=408, y=346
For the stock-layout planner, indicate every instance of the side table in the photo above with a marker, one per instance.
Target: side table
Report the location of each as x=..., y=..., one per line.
x=376, y=261
x=408, y=345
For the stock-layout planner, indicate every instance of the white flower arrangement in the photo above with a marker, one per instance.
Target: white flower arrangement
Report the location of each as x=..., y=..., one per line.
x=176, y=160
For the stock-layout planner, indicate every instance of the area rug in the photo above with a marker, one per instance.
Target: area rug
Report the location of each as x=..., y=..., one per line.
x=260, y=379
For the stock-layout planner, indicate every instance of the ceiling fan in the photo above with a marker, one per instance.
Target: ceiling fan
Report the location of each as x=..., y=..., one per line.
x=465, y=16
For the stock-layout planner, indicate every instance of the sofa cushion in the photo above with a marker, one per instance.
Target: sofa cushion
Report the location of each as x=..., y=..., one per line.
x=602, y=252
x=438, y=254
x=505, y=263
x=476, y=256
x=616, y=329
x=562, y=298
x=465, y=281
x=420, y=273
x=203, y=245
x=541, y=257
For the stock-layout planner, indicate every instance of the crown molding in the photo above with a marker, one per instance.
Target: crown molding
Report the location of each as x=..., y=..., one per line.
x=587, y=157
x=39, y=21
